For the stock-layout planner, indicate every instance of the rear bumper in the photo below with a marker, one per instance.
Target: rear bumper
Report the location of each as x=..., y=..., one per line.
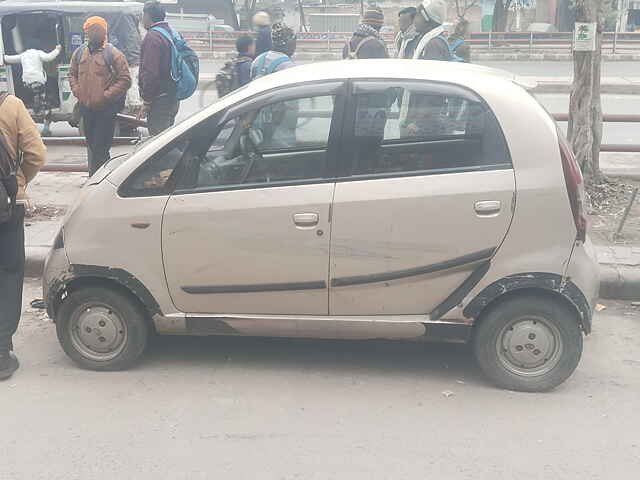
x=584, y=272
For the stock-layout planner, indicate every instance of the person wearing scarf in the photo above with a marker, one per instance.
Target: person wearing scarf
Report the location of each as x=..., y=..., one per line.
x=366, y=41
x=406, y=38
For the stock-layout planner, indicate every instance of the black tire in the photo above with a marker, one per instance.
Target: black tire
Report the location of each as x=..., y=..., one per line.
x=498, y=343
x=111, y=317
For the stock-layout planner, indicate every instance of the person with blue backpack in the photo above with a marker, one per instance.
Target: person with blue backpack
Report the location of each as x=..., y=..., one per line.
x=169, y=70
x=460, y=50
x=283, y=40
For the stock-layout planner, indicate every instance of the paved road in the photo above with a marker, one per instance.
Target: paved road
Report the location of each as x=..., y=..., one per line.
x=283, y=409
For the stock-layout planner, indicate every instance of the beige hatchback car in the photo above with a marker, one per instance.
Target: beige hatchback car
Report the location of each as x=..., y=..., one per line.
x=383, y=199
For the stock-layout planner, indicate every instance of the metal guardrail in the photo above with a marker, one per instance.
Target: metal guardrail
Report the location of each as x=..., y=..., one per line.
x=610, y=118
x=81, y=141
x=613, y=42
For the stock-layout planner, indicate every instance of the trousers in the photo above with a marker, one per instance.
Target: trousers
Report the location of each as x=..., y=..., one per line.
x=99, y=127
x=162, y=114
x=12, y=258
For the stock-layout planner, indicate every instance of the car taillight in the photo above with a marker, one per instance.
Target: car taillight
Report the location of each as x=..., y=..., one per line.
x=575, y=187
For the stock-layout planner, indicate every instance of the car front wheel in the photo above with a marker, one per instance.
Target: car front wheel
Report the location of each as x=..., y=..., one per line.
x=101, y=329
x=529, y=343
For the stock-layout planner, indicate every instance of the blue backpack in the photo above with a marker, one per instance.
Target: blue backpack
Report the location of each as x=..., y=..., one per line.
x=260, y=69
x=185, y=66
x=453, y=46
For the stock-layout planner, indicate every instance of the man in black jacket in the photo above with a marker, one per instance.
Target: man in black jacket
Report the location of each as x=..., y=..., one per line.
x=366, y=41
x=157, y=88
x=432, y=44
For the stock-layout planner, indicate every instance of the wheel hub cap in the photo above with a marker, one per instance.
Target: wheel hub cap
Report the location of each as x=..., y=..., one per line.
x=529, y=346
x=99, y=333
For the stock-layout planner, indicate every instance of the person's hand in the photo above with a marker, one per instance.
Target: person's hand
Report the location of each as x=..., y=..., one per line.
x=143, y=111
x=412, y=130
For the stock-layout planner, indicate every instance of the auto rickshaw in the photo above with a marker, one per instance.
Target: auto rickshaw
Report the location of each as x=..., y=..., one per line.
x=43, y=25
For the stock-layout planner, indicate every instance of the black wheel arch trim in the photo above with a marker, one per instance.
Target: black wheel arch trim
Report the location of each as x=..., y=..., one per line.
x=117, y=275
x=551, y=282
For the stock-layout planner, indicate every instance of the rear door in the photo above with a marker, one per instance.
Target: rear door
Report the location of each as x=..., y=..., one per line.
x=248, y=232
x=425, y=194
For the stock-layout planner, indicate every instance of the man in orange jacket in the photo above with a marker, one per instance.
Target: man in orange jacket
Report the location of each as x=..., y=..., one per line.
x=20, y=136
x=99, y=78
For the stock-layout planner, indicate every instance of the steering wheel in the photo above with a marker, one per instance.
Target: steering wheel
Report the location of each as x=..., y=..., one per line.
x=249, y=147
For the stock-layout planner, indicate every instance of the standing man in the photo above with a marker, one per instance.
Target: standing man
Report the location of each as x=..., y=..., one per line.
x=157, y=88
x=19, y=136
x=406, y=40
x=99, y=77
x=432, y=44
x=366, y=41
x=262, y=26
x=246, y=47
x=278, y=121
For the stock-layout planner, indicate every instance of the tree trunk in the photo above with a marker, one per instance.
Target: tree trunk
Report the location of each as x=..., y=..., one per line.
x=303, y=21
x=500, y=15
x=585, y=106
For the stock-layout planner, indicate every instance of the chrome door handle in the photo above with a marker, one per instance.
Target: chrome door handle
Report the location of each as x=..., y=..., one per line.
x=488, y=207
x=306, y=219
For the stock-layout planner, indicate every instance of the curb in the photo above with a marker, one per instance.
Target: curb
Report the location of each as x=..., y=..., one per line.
x=619, y=282
x=616, y=282
x=34, y=261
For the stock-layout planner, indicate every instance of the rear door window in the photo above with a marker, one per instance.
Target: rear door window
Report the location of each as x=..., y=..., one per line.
x=407, y=128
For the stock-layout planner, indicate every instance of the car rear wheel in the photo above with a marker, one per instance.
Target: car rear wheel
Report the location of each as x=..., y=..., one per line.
x=530, y=343
x=101, y=329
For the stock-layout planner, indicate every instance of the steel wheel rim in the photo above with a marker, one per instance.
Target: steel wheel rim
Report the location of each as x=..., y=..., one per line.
x=529, y=346
x=98, y=332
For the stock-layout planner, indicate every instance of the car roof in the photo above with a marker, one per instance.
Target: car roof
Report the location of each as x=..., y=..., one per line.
x=452, y=72
x=7, y=8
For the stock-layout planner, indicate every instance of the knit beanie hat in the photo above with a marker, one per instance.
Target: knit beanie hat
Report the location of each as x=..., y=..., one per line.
x=281, y=34
x=373, y=16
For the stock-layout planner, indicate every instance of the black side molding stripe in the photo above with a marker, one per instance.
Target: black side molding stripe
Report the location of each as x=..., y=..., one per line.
x=259, y=287
x=414, y=272
x=459, y=293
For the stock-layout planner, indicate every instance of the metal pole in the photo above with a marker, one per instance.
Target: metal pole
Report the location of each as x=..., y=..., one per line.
x=531, y=43
x=615, y=41
x=210, y=36
x=626, y=213
x=490, y=39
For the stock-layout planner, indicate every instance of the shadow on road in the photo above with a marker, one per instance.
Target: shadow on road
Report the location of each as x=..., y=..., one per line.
x=449, y=362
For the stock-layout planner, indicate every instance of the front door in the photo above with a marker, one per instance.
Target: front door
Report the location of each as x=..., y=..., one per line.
x=249, y=231
x=425, y=196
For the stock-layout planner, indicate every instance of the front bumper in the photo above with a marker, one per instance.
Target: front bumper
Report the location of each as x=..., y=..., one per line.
x=57, y=271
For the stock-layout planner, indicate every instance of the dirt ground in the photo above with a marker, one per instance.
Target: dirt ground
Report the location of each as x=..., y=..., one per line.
x=606, y=206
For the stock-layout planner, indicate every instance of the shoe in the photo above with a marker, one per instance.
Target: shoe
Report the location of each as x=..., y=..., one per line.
x=8, y=365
